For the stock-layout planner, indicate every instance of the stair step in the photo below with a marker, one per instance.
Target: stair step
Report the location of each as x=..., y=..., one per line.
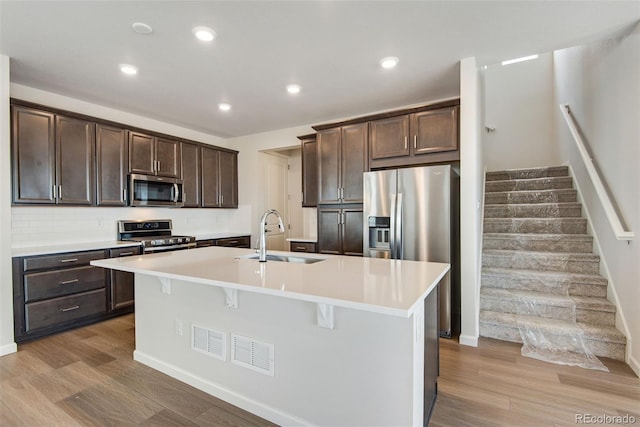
x=542, y=261
x=548, y=305
x=530, y=210
x=574, y=284
x=529, y=184
x=538, y=242
x=532, y=196
x=536, y=225
x=528, y=173
x=605, y=341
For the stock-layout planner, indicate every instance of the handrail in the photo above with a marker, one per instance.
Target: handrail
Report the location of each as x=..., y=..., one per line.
x=612, y=216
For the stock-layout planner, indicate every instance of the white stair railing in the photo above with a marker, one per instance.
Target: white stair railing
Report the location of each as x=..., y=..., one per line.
x=603, y=195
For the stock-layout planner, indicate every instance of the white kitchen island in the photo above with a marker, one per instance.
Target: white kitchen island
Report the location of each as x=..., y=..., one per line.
x=340, y=342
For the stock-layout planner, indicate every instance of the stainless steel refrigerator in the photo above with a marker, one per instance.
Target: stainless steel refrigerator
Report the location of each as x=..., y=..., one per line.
x=413, y=214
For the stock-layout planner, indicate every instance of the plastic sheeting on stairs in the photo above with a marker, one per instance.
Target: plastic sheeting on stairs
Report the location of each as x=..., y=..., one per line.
x=562, y=346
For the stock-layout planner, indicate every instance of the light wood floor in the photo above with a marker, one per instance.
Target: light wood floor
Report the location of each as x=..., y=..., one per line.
x=493, y=385
x=87, y=377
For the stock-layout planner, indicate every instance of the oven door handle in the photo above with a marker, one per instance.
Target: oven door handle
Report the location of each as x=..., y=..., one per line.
x=169, y=248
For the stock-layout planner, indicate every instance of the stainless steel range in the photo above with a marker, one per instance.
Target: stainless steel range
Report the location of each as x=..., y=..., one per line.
x=154, y=235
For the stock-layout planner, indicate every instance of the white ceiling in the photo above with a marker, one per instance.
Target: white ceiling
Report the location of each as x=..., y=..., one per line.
x=330, y=48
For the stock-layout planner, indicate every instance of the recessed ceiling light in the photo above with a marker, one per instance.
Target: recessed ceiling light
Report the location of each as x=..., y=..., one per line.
x=141, y=28
x=224, y=107
x=205, y=34
x=389, y=62
x=293, y=89
x=129, y=69
x=521, y=59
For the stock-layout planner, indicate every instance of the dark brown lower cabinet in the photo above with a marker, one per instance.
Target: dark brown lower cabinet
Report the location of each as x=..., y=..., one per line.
x=296, y=246
x=121, y=282
x=340, y=230
x=57, y=292
x=228, y=242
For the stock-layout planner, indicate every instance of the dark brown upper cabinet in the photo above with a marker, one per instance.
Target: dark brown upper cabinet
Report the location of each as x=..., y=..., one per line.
x=191, y=175
x=154, y=155
x=420, y=137
x=75, y=145
x=112, y=160
x=219, y=178
x=52, y=158
x=342, y=159
x=309, y=171
x=228, y=179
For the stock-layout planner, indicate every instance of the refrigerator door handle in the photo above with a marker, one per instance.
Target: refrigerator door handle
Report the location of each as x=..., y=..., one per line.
x=392, y=227
x=398, y=215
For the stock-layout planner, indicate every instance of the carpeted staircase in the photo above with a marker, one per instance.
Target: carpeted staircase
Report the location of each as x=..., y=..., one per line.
x=538, y=268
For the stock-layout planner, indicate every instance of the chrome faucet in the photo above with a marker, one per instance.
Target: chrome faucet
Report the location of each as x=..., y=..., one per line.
x=263, y=231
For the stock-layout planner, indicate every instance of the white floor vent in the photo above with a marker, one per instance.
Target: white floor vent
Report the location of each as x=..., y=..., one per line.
x=209, y=342
x=252, y=354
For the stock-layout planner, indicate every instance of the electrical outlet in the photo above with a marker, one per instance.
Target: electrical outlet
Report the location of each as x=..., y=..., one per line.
x=178, y=326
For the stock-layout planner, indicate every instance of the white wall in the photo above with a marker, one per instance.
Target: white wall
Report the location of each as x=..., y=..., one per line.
x=6, y=294
x=601, y=83
x=251, y=186
x=43, y=226
x=517, y=103
x=471, y=198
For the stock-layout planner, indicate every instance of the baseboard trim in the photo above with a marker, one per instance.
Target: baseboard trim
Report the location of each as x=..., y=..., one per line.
x=260, y=409
x=471, y=341
x=8, y=349
x=634, y=365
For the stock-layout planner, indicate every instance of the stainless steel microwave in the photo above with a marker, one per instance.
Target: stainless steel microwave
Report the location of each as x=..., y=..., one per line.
x=150, y=190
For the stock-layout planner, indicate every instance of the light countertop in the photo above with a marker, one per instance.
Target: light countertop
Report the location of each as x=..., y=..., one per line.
x=70, y=247
x=90, y=246
x=303, y=239
x=207, y=236
x=390, y=287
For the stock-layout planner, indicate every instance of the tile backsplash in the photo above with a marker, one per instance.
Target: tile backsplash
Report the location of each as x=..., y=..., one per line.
x=41, y=225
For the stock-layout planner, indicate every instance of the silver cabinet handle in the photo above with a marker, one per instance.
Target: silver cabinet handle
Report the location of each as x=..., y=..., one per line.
x=126, y=254
x=301, y=248
x=69, y=282
x=158, y=167
x=75, y=307
x=405, y=142
x=60, y=192
x=69, y=260
x=222, y=199
x=124, y=195
x=415, y=142
x=54, y=193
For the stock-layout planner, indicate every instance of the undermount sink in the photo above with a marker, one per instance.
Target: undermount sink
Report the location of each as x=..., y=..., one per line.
x=287, y=258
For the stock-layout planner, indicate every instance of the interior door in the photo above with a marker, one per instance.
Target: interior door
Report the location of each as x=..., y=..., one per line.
x=276, y=191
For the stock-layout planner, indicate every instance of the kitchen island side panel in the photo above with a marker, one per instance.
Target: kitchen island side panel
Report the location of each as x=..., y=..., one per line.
x=366, y=371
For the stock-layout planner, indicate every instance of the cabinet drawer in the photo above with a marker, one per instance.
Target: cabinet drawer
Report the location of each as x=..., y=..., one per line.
x=64, y=309
x=302, y=247
x=122, y=252
x=235, y=242
x=57, y=283
x=205, y=243
x=62, y=260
